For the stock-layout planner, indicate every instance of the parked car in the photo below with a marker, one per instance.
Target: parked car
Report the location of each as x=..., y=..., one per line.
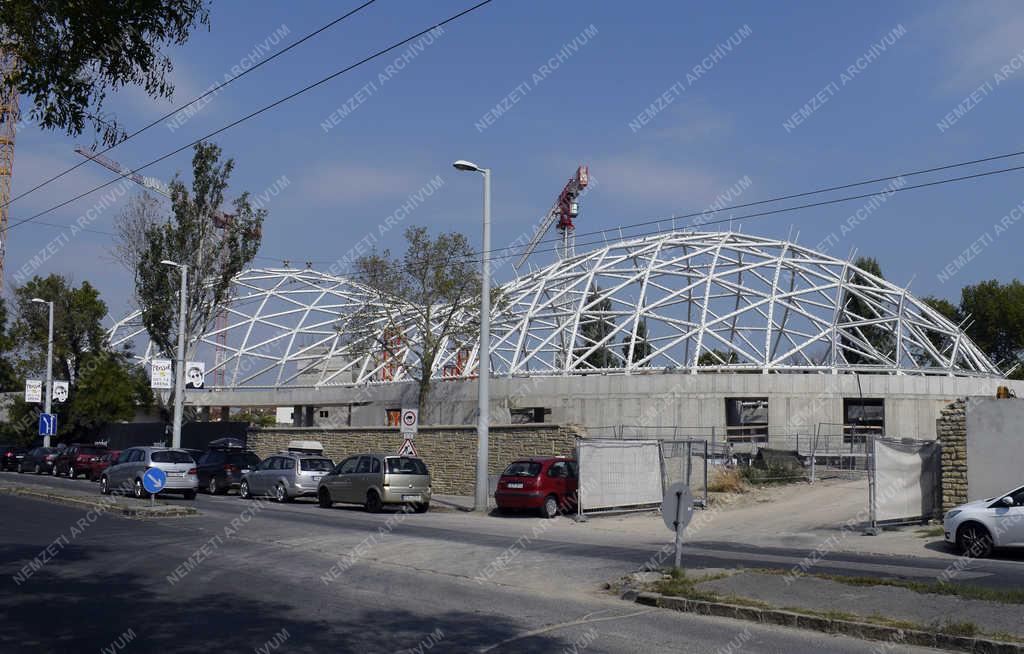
x=545, y=484
x=74, y=459
x=38, y=460
x=221, y=469
x=285, y=476
x=376, y=480
x=195, y=454
x=11, y=456
x=978, y=527
x=126, y=473
x=98, y=464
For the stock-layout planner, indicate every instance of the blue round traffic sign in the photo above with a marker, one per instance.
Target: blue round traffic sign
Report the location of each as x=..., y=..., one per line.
x=154, y=480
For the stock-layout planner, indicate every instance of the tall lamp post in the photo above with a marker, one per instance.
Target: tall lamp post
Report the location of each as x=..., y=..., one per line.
x=484, y=354
x=49, y=364
x=179, y=364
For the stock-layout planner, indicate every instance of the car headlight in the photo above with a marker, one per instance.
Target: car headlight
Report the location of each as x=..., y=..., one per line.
x=952, y=514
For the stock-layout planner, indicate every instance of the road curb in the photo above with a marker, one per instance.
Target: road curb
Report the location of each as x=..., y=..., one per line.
x=162, y=511
x=863, y=630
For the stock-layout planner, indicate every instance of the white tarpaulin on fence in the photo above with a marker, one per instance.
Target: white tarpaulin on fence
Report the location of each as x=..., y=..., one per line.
x=618, y=474
x=906, y=480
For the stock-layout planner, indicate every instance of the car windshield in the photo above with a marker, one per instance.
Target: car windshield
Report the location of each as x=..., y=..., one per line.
x=405, y=465
x=243, y=459
x=171, y=456
x=522, y=469
x=319, y=465
x=92, y=450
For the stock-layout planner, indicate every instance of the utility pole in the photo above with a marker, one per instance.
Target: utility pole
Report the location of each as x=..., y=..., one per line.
x=49, y=364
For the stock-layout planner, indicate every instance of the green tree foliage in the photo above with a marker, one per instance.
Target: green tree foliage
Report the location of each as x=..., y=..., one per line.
x=9, y=380
x=856, y=308
x=641, y=348
x=433, y=284
x=996, y=324
x=716, y=357
x=71, y=54
x=213, y=256
x=596, y=324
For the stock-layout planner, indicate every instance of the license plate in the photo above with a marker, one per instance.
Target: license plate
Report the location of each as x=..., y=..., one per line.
x=175, y=474
x=245, y=470
x=411, y=498
x=316, y=477
x=515, y=484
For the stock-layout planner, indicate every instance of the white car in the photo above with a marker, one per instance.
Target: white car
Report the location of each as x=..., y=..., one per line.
x=978, y=527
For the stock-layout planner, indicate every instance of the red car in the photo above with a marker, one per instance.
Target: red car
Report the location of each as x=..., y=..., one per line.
x=98, y=464
x=546, y=483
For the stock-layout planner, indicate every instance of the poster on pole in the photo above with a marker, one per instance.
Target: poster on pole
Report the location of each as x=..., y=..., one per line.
x=161, y=375
x=33, y=390
x=195, y=372
x=60, y=391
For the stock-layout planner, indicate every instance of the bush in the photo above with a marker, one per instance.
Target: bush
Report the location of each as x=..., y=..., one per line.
x=770, y=476
x=726, y=480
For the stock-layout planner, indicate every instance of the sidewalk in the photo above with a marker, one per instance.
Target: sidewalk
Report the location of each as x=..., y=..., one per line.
x=128, y=507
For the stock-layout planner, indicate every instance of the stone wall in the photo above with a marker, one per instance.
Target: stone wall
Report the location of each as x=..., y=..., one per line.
x=951, y=431
x=449, y=451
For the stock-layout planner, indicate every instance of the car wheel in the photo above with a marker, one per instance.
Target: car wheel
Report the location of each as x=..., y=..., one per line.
x=974, y=540
x=281, y=493
x=421, y=507
x=373, y=503
x=211, y=488
x=189, y=495
x=243, y=490
x=104, y=485
x=39, y=469
x=550, y=508
x=140, y=492
x=324, y=497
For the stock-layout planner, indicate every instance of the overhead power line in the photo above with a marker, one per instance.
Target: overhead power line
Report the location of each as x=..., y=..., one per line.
x=213, y=90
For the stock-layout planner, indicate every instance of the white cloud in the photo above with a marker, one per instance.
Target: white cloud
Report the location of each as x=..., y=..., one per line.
x=980, y=37
x=656, y=182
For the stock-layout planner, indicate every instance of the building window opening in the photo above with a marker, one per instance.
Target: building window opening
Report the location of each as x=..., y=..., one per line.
x=746, y=419
x=863, y=417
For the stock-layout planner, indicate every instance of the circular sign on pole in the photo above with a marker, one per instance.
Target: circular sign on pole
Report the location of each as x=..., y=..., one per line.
x=677, y=507
x=410, y=419
x=154, y=480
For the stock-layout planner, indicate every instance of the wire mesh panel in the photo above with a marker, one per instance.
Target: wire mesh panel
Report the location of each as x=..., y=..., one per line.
x=618, y=474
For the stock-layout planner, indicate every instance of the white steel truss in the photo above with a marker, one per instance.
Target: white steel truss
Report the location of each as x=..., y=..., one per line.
x=714, y=302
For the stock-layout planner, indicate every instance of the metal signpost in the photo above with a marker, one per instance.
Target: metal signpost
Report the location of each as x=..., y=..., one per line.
x=154, y=481
x=676, y=511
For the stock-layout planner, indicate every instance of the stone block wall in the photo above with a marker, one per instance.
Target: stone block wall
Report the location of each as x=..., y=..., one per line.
x=449, y=451
x=951, y=432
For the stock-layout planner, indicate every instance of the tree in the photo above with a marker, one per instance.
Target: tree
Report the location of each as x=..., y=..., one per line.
x=9, y=380
x=190, y=238
x=596, y=324
x=424, y=303
x=71, y=54
x=109, y=389
x=996, y=313
x=857, y=309
x=641, y=346
x=716, y=357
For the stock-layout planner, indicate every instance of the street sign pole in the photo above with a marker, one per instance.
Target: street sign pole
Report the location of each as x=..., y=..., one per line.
x=676, y=522
x=676, y=511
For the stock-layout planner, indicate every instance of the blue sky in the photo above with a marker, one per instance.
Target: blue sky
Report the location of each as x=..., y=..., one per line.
x=735, y=74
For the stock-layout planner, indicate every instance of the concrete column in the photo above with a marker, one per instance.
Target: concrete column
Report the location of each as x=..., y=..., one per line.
x=225, y=413
x=297, y=416
x=309, y=417
x=204, y=414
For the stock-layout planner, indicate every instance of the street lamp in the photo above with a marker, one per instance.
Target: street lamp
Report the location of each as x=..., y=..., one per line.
x=179, y=364
x=484, y=354
x=49, y=363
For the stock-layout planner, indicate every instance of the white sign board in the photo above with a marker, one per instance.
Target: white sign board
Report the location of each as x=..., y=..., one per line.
x=195, y=371
x=410, y=422
x=60, y=391
x=33, y=390
x=161, y=374
x=677, y=507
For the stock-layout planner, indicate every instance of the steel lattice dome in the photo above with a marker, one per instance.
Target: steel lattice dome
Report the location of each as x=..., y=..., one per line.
x=714, y=302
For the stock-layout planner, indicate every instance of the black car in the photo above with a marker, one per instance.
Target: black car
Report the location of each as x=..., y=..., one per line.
x=38, y=460
x=195, y=454
x=11, y=456
x=221, y=469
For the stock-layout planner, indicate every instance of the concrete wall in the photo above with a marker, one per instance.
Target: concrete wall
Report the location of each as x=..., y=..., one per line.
x=995, y=446
x=449, y=451
x=797, y=402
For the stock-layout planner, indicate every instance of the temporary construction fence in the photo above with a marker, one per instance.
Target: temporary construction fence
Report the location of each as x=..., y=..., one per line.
x=623, y=474
x=904, y=480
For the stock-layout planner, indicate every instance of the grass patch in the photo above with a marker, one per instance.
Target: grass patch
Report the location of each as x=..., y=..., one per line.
x=680, y=585
x=727, y=480
x=931, y=532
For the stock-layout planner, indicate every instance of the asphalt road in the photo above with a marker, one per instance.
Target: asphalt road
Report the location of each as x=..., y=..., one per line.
x=255, y=577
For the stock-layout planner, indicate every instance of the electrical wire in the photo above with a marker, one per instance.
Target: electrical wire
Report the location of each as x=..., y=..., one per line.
x=253, y=114
x=210, y=91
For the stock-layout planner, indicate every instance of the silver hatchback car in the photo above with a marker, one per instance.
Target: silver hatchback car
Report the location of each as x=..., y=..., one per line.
x=375, y=480
x=285, y=476
x=125, y=474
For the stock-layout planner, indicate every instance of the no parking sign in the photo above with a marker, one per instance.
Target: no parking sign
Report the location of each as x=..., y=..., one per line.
x=410, y=421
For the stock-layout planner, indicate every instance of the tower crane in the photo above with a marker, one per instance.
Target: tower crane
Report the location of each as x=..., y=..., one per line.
x=566, y=208
x=8, y=126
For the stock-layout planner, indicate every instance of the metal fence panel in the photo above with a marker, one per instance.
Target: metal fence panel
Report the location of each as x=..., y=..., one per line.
x=618, y=473
x=905, y=480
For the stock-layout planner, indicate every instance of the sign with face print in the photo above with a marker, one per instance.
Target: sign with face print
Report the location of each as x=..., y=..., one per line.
x=60, y=391
x=195, y=371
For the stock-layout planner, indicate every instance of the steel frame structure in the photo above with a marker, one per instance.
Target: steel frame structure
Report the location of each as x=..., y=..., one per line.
x=711, y=302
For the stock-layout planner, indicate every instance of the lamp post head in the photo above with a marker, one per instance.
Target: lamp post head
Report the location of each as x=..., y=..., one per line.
x=469, y=166
x=168, y=262
x=40, y=300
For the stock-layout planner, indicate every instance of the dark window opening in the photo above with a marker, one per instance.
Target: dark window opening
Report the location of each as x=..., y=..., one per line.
x=746, y=419
x=529, y=414
x=862, y=418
